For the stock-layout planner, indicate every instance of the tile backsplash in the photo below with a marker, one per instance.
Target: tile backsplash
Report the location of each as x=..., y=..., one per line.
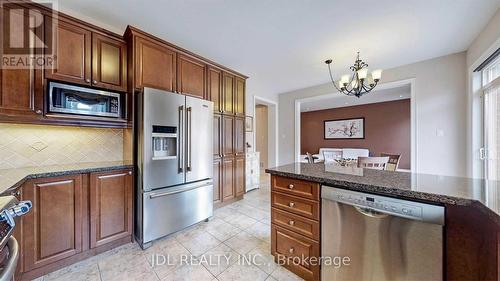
x=37, y=145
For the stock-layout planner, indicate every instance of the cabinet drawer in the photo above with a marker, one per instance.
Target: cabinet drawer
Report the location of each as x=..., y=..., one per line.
x=304, y=189
x=298, y=224
x=296, y=205
x=286, y=245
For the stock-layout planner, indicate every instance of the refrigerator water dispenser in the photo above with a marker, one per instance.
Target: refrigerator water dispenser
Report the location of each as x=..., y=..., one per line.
x=164, y=142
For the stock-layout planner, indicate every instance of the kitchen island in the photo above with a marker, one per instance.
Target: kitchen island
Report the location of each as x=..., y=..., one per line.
x=471, y=225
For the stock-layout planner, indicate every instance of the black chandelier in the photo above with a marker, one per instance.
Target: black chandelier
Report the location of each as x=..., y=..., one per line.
x=358, y=83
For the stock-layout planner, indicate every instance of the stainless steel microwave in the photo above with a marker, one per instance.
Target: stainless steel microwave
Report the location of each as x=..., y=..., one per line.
x=69, y=99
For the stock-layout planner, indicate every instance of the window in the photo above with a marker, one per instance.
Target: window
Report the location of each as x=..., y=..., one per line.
x=491, y=72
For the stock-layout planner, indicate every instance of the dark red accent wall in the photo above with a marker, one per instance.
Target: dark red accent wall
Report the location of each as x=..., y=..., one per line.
x=387, y=129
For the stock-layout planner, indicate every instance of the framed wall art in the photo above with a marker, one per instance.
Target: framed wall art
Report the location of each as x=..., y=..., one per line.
x=353, y=128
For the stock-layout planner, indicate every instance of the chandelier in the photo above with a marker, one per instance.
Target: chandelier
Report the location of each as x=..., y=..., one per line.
x=358, y=83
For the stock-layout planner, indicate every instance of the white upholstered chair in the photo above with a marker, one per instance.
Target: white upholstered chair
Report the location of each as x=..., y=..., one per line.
x=375, y=163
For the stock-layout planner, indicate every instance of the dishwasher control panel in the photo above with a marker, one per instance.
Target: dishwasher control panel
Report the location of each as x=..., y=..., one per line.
x=383, y=204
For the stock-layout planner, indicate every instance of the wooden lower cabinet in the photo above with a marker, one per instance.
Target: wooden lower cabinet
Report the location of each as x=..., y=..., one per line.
x=239, y=176
x=52, y=230
x=296, y=225
x=73, y=218
x=227, y=179
x=110, y=207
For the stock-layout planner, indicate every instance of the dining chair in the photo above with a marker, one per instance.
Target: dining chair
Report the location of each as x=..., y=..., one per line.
x=375, y=163
x=393, y=163
x=310, y=158
x=331, y=156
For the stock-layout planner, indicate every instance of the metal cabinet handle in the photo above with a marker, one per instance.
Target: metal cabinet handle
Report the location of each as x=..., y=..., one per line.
x=188, y=153
x=130, y=172
x=87, y=80
x=95, y=82
x=38, y=111
x=180, y=140
x=291, y=223
x=291, y=204
x=291, y=186
x=291, y=250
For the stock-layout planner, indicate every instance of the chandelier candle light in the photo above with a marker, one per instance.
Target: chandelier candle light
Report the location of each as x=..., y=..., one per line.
x=358, y=83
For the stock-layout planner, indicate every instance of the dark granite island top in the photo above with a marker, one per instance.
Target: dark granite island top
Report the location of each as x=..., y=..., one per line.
x=13, y=178
x=442, y=190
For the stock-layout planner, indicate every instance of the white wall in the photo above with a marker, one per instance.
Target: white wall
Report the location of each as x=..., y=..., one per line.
x=484, y=40
x=440, y=87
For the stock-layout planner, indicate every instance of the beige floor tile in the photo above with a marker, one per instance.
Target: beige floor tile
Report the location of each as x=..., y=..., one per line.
x=89, y=272
x=189, y=272
x=122, y=260
x=266, y=221
x=243, y=242
x=240, y=272
x=241, y=221
x=261, y=231
x=263, y=258
x=253, y=212
x=270, y=278
x=221, y=229
x=219, y=259
x=199, y=243
x=168, y=258
x=283, y=274
x=140, y=272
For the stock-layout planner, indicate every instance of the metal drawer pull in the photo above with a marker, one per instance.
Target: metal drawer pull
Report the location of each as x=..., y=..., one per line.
x=291, y=204
x=291, y=223
x=291, y=250
x=291, y=186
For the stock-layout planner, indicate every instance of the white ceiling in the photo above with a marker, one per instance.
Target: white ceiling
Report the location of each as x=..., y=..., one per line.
x=336, y=99
x=281, y=44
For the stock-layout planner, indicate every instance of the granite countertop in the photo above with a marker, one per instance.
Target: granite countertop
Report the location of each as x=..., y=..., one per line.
x=13, y=178
x=442, y=190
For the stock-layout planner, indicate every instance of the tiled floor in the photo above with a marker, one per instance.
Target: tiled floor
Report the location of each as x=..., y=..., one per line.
x=218, y=250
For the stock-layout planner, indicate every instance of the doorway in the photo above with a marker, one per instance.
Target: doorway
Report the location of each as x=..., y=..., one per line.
x=265, y=134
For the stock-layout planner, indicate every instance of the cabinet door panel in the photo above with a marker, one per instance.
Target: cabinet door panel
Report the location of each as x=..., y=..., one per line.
x=110, y=206
x=239, y=176
x=228, y=93
x=215, y=88
x=72, y=47
x=218, y=172
x=239, y=136
x=109, y=63
x=227, y=136
x=227, y=179
x=21, y=91
x=239, y=96
x=217, y=135
x=155, y=66
x=191, y=76
x=53, y=229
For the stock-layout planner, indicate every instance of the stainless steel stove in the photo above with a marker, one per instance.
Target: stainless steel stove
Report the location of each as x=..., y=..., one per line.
x=10, y=208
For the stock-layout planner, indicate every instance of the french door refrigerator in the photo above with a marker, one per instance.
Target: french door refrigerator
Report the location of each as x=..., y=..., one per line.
x=173, y=138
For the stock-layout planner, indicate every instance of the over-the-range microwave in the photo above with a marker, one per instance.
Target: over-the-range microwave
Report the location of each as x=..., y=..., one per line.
x=70, y=99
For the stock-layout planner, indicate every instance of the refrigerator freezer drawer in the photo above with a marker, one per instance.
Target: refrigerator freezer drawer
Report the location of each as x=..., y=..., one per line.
x=172, y=209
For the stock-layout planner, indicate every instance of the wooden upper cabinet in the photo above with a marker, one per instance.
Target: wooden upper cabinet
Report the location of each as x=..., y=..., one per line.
x=110, y=207
x=239, y=96
x=228, y=93
x=109, y=63
x=215, y=88
x=191, y=76
x=239, y=136
x=239, y=176
x=155, y=65
x=52, y=230
x=72, y=48
x=21, y=91
x=227, y=136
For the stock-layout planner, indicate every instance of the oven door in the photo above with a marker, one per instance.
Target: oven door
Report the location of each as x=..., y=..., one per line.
x=10, y=256
x=69, y=99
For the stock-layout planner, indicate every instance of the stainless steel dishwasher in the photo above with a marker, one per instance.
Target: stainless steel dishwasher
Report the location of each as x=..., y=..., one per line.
x=384, y=238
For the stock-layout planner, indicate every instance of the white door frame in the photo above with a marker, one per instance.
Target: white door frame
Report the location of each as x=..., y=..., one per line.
x=273, y=120
x=388, y=85
x=475, y=134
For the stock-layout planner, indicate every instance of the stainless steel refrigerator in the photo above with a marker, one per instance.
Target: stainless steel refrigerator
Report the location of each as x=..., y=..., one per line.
x=173, y=138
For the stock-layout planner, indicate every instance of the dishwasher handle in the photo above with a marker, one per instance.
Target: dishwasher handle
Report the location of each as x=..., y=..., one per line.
x=370, y=213
x=10, y=268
